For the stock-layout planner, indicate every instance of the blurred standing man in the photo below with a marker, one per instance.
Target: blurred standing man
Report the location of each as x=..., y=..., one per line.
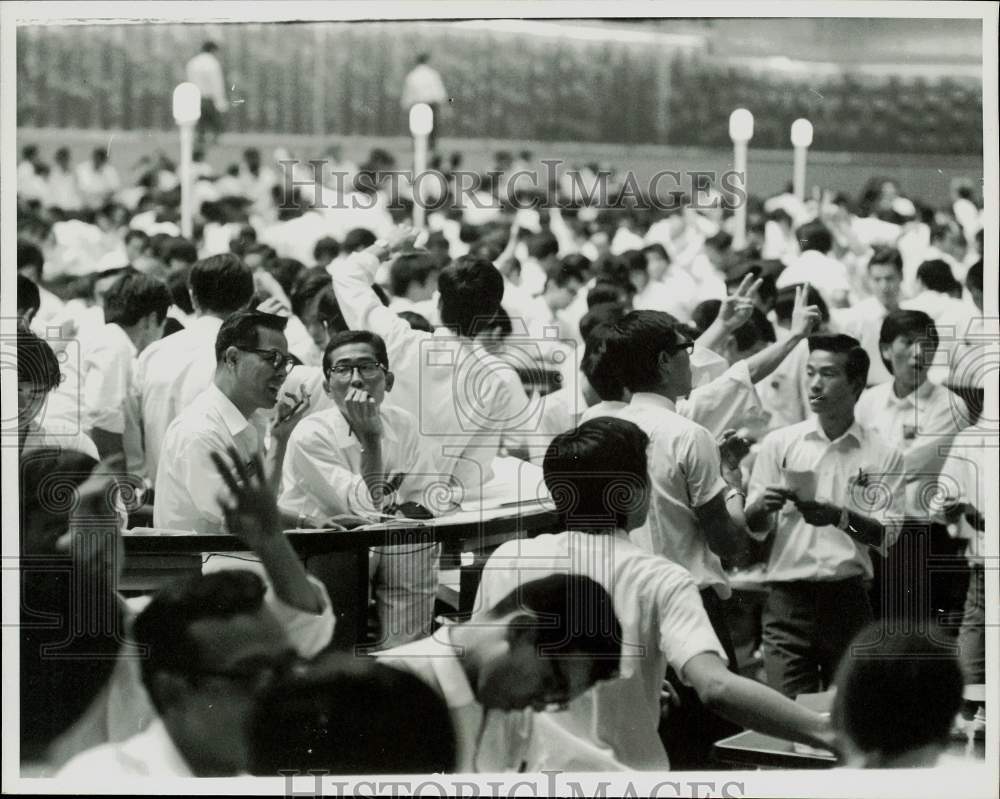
x=423, y=84
x=205, y=72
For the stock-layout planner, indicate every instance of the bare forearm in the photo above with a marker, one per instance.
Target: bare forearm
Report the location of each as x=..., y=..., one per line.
x=373, y=471
x=287, y=574
x=273, y=462
x=713, y=337
x=768, y=359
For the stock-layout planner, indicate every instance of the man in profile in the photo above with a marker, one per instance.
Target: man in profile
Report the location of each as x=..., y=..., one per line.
x=205, y=72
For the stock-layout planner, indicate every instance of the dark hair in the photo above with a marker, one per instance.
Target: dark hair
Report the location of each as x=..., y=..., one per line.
x=209, y=47
x=29, y=256
x=562, y=277
x=241, y=330
x=896, y=691
x=815, y=236
x=915, y=324
x=603, y=313
x=326, y=246
x=704, y=314
x=180, y=249
x=358, y=239
x=28, y=295
x=543, y=245
x=163, y=626
x=658, y=249
x=177, y=285
x=635, y=344
x=857, y=360
x=721, y=241
x=579, y=264
x=36, y=362
x=341, y=715
x=285, y=270
x=936, y=275
x=599, y=369
x=574, y=615
x=756, y=329
x=785, y=302
x=887, y=256
x=134, y=296
x=604, y=292
x=344, y=337
x=471, y=289
x=597, y=473
x=974, y=277
x=221, y=284
x=416, y=321
x=134, y=233
x=411, y=267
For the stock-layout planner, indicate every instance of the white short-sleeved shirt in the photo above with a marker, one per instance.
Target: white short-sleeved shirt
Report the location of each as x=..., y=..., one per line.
x=828, y=275
x=451, y=385
x=663, y=622
x=168, y=375
x=685, y=473
x=188, y=487
x=964, y=477
x=321, y=474
x=921, y=426
x=106, y=377
x=59, y=435
x=802, y=551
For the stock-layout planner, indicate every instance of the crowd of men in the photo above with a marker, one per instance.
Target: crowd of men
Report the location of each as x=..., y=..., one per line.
x=791, y=414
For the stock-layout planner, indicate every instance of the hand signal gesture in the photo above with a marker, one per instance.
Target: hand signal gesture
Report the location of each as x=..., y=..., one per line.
x=805, y=318
x=250, y=509
x=737, y=308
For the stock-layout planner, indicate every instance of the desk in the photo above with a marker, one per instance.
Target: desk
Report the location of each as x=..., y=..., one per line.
x=339, y=559
x=756, y=750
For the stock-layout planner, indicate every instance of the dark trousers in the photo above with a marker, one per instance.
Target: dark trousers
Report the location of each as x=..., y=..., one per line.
x=807, y=626
x=209, y=126
x=690, y=730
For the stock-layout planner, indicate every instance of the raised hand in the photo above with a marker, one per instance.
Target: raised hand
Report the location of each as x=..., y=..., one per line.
x=250, y=509
x=737, y=308
x=805, y=318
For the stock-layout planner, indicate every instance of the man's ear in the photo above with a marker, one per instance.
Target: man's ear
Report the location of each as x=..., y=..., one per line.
x=886, y=351
x=390, y=381
x=28, y=315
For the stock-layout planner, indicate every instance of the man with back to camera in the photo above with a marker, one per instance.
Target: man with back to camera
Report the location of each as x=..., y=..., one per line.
x=205, y=72
x=827, y=489
x=423, y=84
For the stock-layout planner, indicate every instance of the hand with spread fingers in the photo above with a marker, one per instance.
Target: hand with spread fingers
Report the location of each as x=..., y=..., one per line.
x=250, y=509
x=737, y=308
x=805, y=318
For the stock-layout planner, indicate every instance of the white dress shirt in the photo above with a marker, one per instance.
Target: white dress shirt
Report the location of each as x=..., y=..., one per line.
x=168, y=375
x=921, y=426
x=451, y=385
x=301, y=344
x=663, y=622
x=189, y=487
x=62, y=190
x=863, y=321
x=96, y=185
x=57, y=434
x=802, y=551
x=106, y=378
x=151, y=753
x=321, y=475
x=965, y=477
x=205, y=72
x=828, y=275
x=487, y=740
x=953, y=319
x=311, y=379
x=685, y=472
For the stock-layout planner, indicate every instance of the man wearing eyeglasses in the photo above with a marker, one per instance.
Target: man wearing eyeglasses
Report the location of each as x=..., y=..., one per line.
x=251, y=363
x=359, y=458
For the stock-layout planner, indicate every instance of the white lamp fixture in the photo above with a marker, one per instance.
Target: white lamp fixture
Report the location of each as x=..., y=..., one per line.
x=802, y=138
x=421, y=125
x=187, y=112
x=740, y=131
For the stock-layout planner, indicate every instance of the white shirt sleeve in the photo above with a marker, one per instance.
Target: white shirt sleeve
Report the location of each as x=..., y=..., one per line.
x=309, y=633
x=193, y=469
x=723, y=402
x=685, y=630
x=106, y=376
x=702, y=467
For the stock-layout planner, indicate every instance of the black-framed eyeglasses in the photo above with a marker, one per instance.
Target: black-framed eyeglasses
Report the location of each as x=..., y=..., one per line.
x=683, y=345
x=279, y=361
x=368, y=370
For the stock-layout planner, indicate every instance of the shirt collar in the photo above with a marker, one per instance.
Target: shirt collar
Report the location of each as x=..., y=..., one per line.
x=120, y=332
x=156, y=746
x=815, y=431
x=647, y=399
x=235, y=421
x=451, y=676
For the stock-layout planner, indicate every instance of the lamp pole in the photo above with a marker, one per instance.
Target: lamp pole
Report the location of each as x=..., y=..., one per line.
x=187, y=112
x=802, y=137
x=421, y=125
x=740, y=131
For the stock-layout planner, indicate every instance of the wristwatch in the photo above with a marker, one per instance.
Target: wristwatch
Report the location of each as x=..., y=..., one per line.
x=733, y=492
